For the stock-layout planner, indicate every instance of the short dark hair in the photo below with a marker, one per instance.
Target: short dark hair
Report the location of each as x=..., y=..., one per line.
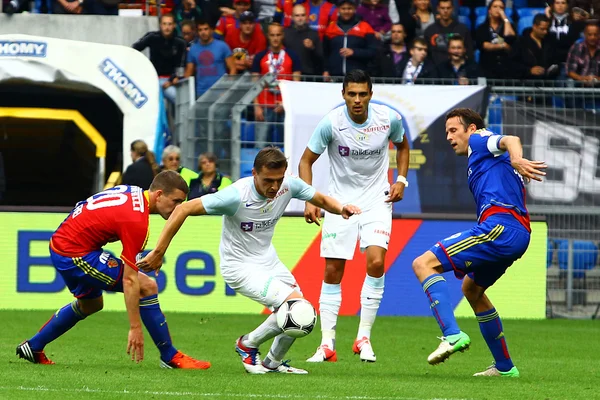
x=539, y=18
x=188, y=22
x=419, y=40
x=168, y=15
x=456, y=36
x=357, y=76
x=467, y=117
x=169, y=181
x=204, y=21
x=270, y=157
x=446, y=1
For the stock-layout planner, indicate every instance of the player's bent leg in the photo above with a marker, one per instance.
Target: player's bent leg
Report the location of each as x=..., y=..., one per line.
x=428, y=269
x=156, y=324
x=491, y=330
x=370, y=299
x=64, y=319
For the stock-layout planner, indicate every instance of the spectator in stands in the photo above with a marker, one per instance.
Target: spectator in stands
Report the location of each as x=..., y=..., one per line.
x=583, y=61
x=284, y=11
x=458, y=67
x=167, y=53
x=349, y=43
x=187, y=10
x=305, y=42
x=209, y=59
x=2, y=179
x=213, y=10
x=423, y=16
x=188, y=32
x=395, y=55
x=438, y=34
x=321, y=14
x=246, y=41
x=585, y=9
x=171, y=160
x=377, y=15
x=495, y=38
x=144, y=167
x=231, y=22
x=563, y=28
x=538, y=56
x=268, y=106
x=210, y=180
x=418, y=66
x=401, y=13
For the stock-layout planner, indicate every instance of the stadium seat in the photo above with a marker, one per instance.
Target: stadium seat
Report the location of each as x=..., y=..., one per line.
x=524, y=23
x=464, y=11
x=465, y=20
x=247, y=161
x=527, y=11
x=519, y=3
x=247, y=133
x=476, y=55
x=585, y=256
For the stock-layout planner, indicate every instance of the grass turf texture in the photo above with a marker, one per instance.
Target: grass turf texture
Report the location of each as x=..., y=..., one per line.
x=557, y=360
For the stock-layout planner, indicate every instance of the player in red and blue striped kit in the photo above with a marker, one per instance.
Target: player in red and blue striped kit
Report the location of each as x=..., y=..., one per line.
x=121, y=213
x=481, y=255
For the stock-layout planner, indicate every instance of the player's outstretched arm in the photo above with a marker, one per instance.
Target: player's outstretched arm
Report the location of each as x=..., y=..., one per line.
x=528, y=169
x=330, y=204
x=153, y=260
x=311, y=213
x=131, y=290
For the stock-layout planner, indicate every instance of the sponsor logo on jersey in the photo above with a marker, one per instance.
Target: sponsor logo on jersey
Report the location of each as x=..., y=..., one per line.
x=130, y=90
x=281, y=192
x=382, y=232
x=344, y=151
x=22, y=49
x=329, y=236
x=376, y=128
x=247, y=226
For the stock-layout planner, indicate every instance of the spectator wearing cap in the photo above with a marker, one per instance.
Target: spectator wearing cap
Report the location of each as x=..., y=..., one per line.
x=284, y=63
x=305, y=42
x=246, y=41
x=583, y=61
x=231, y=22
x=438, y=34
x=210, y=180
x=167, y=53
x=209, y=59
x=349, y=43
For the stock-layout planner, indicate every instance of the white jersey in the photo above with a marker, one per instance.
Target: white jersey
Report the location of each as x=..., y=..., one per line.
x=358, y=154
x=249, y=219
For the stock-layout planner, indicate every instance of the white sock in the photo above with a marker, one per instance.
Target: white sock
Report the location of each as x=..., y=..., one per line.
x=370, y=298
x=329, y=303
x=279, y=349
x=265, y=331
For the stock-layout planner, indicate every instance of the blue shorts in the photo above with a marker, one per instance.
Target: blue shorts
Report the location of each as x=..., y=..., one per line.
x=485, y=251
x=87, y=276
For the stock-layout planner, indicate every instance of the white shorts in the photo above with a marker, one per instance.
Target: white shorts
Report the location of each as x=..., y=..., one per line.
x=371, y=228
x=267, y=285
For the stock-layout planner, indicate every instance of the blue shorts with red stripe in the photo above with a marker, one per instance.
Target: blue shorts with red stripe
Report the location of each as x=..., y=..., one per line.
x=485, y=251
x=89, y=275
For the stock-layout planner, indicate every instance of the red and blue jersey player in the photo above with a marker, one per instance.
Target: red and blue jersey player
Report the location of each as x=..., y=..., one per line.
x=118, y=214
x=481, y=255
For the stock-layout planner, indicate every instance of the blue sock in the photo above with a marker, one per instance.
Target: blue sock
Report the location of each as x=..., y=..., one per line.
x=491, y=329
x=436, y=289
x=62, y=320
x=156, y=323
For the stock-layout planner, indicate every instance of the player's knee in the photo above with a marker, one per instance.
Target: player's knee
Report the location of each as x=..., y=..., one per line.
x=418, y=265
x=376, y=266
x=148, y=287
x=89, y=307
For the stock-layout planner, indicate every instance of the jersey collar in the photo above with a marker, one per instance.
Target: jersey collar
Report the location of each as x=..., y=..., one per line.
x=364, y=124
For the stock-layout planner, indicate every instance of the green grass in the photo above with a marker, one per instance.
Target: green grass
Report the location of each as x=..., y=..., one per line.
x=558, y=359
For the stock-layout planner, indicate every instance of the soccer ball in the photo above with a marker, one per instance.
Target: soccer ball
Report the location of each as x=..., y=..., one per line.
x=297, y=317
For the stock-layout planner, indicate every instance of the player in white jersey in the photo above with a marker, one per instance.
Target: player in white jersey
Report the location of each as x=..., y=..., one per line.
x=249, y=264
x=356, y=136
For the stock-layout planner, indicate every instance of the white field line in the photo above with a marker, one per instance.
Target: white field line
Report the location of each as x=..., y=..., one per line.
x=210, y=395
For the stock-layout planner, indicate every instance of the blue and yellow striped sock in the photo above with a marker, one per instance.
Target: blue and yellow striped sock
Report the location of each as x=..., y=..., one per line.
x=436, y=289
x=156, y=324
x=62, y=320
x=491, y=329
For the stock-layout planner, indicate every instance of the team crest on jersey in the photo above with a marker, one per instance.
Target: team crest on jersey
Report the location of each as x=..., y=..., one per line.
x=361, y=137
x=112, y=263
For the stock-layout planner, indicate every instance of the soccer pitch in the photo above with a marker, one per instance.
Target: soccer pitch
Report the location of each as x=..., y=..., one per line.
x=558, y=359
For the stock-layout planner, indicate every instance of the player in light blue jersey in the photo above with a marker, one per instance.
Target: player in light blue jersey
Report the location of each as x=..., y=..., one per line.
x=482, y=254
x=251, y=208
x=357, y=137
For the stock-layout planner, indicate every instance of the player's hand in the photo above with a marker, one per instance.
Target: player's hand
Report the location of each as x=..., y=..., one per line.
x=312, y=214
x=135, y=344
x=529, y=169
x=152, y=262
x=396, y=193
x=349, y=210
